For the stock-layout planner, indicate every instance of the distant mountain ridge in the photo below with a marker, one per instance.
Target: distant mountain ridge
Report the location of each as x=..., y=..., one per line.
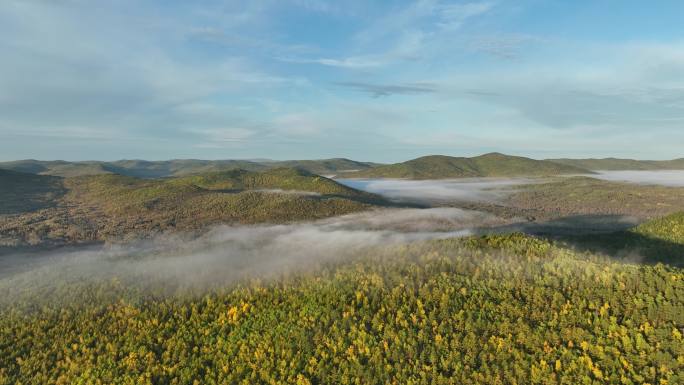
x=617, y=164
x=175, y=167
x=487, y=165
x=426, y=167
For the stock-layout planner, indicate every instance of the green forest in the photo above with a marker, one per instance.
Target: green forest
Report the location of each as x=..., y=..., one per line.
x=506, y=309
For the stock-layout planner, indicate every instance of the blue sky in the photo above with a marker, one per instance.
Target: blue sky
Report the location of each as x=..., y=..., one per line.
x=381, y=81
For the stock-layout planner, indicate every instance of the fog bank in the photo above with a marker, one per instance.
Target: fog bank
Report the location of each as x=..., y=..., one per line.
x=227, y=254
x=478, y=190
x=671, y=178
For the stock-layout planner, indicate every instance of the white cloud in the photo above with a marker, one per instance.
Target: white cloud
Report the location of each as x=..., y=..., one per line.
x=78, y=70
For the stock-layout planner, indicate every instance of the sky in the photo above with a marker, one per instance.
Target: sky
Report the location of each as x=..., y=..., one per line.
x=381, y=81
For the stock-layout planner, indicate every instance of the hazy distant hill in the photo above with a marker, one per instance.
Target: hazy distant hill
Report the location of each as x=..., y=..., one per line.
x=56, y=167
x=137, y=168
x=326, y=166
x=178, y=167
x=175, y=167
x=614, y=164
x=488, y=165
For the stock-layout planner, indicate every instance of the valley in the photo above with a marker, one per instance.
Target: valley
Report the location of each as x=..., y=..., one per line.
x=239, y=262
x=320, y=192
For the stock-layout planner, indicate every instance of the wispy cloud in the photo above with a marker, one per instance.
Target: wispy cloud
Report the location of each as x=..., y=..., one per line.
x=429, y=16
x=452, y=16
x=402, y=35
x=616, y=93
x=231, y=38
x=352, y=62
x=503, y=46
x=77, y=71
x=226, y=134
x=379, y=90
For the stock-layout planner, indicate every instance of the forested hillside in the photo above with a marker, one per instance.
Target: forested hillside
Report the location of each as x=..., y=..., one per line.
x=589, y=196
x=113, y=207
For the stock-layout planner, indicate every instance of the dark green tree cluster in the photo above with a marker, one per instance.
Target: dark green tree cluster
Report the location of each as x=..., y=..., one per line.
x=487, y=310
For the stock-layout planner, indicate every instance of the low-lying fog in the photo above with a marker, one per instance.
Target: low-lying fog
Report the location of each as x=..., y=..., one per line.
x=672, y=178
x=480, y=190
x=229, y=253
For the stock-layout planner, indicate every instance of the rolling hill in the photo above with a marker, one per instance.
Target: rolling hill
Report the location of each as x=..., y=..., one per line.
x=327, y=166
x=177, y=167
x=616, y=164
x=279, y=178
x=115, y=207
x=488, y=165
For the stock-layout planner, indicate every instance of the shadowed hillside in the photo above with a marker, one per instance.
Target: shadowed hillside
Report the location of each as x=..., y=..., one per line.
x=21, y=192
x=488, y=165
x=657, y=241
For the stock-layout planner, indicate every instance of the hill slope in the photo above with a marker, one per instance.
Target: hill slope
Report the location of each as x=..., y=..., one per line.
x=279, y=178
x=668, y=229
x=488, y=165
x=589, y=196
x=615, y=164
